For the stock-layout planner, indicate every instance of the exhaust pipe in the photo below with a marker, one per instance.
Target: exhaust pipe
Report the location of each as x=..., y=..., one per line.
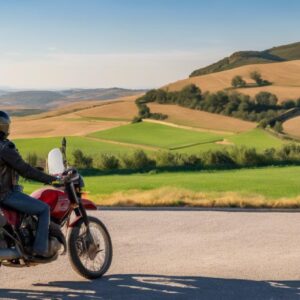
x=9, y=254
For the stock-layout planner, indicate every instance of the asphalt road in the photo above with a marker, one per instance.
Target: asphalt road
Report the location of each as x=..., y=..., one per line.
x=179, y=255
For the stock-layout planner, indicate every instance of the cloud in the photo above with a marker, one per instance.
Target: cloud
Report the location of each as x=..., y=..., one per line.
x=134, y=70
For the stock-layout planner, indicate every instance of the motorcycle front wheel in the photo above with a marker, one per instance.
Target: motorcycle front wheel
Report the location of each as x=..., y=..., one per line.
x=90, y=251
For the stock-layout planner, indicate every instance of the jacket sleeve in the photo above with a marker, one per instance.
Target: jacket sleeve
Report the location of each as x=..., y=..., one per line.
x=11, y=156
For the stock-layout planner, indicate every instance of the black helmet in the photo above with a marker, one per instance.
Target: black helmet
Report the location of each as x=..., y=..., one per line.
x=4, y=124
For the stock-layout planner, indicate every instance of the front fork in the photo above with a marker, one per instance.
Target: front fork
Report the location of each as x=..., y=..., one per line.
x=81, y=212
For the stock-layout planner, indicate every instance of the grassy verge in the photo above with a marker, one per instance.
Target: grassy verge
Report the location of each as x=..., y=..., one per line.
x=260, y=187
x=170, y=196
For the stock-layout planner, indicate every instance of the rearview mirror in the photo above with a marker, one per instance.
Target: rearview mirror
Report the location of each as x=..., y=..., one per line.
x=55, y=162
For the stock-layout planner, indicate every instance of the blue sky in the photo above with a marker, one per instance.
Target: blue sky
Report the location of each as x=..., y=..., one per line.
x=89, y=43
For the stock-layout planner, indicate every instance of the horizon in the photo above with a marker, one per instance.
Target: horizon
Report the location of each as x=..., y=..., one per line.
x=142, y=45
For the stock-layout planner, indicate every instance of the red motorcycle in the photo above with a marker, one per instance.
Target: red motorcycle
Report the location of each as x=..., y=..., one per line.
x=88, y=242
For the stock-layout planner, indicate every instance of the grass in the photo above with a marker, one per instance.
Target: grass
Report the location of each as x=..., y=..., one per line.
x=41, y=146
x=257, y=138
x=261, y=185
x=160, y=136
x=157, y=135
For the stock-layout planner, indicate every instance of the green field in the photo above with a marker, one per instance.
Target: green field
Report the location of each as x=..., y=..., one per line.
x=157, y=135
x=256, y=138
x=42, y=146
x=271, y=182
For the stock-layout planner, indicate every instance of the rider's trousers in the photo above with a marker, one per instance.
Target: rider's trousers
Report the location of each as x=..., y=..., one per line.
x=26, y=204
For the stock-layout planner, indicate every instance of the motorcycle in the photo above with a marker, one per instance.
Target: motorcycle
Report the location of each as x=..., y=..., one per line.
x=72, y=230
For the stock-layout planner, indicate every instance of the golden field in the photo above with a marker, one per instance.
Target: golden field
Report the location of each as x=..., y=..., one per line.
x=201, y=119
x=285, y=78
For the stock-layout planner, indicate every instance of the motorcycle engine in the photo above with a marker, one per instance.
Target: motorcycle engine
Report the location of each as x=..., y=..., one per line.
x=27, y=232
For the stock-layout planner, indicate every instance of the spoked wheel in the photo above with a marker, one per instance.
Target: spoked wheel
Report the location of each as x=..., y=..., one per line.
x=90, y=251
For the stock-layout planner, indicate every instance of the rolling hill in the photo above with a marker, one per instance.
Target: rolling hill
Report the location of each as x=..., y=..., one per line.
x=201, y=119
x=241, y=58
x=30, y=102
x=285, y=78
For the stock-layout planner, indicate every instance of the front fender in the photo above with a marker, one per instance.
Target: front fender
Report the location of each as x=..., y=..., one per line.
x=88, y=204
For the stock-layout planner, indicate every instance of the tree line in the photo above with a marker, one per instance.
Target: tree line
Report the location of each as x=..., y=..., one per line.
x=263, y=107
x=227, y=158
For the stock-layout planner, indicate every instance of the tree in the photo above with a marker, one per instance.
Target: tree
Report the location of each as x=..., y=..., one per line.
x=256, y=76
x=278, y=127
x=266, y=99
x=289, y=104
x=238, y=81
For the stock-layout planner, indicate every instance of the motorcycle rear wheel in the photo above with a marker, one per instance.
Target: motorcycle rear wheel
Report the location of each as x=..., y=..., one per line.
x=90, y=260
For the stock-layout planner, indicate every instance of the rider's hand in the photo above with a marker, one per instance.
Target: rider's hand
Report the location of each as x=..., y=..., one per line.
x=60, y=181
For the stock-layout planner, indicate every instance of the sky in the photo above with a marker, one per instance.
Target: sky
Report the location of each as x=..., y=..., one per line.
x=58, y=44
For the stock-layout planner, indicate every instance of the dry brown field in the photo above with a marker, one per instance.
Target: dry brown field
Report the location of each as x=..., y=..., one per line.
x=285, y=78
x=201, y=119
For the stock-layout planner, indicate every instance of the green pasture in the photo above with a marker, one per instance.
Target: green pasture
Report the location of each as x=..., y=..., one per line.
x=256, y=138
x=149, y=134
x=271, y=182
x=41, y=146
x=157, y=135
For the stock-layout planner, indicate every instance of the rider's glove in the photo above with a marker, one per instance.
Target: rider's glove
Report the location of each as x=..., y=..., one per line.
x=59, y=181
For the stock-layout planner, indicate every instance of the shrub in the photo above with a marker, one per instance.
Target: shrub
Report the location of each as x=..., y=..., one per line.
x=217, y=158
x=263, y=123
x=127, y=162
x=243, y=156
x=81, y=160
x=238, y=81
x=138, y=160
x=256, y=76
x=288, y=104
x=164, y=159
x=192, y=161
x=141, y=160
x=137, y=119
x=278, y=127
x=32, y=159
x=109, y=162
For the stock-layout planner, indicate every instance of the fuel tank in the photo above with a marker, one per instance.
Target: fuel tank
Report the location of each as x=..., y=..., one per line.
x=57, y=200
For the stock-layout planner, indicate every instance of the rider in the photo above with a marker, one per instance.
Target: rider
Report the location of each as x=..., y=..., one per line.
x=12, y=164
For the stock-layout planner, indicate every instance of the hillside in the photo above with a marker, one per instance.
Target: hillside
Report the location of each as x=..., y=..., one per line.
x=201, y=119
x=241, y=58
x=285, y=78
x=84, y=117
x=33, y=102
x=76, y=119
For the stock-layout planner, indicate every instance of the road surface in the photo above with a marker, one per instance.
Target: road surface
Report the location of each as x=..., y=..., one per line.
x=174, y=254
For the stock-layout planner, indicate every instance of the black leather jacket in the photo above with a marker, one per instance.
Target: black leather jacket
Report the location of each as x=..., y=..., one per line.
x=12, y=165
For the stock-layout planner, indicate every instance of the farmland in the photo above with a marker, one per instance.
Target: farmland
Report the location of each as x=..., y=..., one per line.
x=157, y=135
x=150, y=137
x=271, y=186
x=284, y=76
x=106, y=128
